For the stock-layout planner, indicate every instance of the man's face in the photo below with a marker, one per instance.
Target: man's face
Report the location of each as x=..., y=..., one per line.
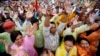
x=53, y=28
x=68, y=45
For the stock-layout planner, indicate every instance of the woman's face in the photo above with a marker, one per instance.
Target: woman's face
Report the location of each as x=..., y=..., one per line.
x=19, y=40
x=84, y=44
x=68, y=45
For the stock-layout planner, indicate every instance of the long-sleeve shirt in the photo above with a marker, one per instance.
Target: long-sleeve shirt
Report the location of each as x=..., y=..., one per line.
x=82, y=51
x=5, y=36
x=28, y=45
x=39, y=39
x=77, y=31
x=18, y=51
x=52, y=41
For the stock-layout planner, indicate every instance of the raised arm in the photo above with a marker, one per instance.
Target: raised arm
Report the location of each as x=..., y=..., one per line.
x=48, y=17
x=31, y=30
x=62, y=24
x=46, y=27
x=16, y=20
x=7, y=46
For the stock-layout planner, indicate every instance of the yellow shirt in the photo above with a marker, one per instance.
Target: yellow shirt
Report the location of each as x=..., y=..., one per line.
x=61, y=51
x=61, y=17
x=77, y=31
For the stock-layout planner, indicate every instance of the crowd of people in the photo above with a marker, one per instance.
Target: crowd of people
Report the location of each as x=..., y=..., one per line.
x=50, y=28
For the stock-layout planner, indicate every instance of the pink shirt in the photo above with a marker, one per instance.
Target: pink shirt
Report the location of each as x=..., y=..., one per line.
x=19, y=50
x=27, y=45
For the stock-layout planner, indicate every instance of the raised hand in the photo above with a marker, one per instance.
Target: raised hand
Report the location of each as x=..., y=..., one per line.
x=31, y=29
x=90, y=18
x=29, y=14
x=43, y=11
x=48, y=16
x=34, y=27
x=48, y=12
x=75, y=21
x=1, y=40
x=87, y=3
x=4, y=41
x=68, y=7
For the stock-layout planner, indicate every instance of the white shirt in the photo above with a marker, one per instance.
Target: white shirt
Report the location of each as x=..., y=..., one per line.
x=52, y=41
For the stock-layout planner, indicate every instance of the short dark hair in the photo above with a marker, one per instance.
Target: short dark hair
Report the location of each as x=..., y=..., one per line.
x=89, y=32
x=52, y=22
x=33, y=20
x=80, y=39
x=14, y=35
x=69, y=38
